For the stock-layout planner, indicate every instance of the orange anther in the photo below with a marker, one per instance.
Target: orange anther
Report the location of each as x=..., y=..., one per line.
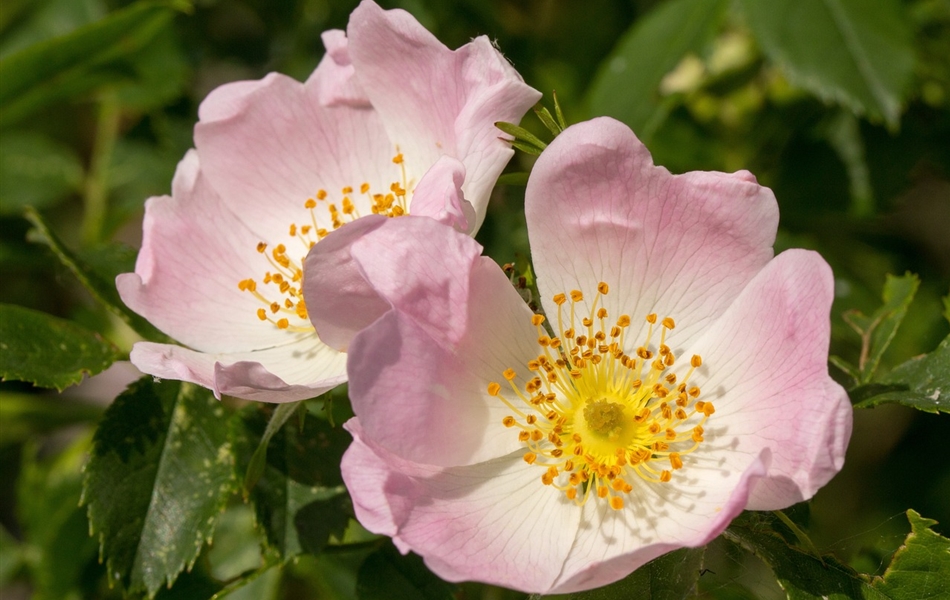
x=576, y=295
x=696, y=361
x=493, y=388
x=603, y=288
x=669, y=323
x=537, y=319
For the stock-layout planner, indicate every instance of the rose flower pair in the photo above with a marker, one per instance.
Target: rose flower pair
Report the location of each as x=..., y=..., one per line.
x=321, y=233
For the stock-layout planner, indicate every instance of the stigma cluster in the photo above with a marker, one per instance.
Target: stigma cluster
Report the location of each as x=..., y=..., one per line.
x=597, y=419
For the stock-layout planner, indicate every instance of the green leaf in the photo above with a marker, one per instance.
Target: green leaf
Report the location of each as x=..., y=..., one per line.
x=299, y=499
x=100, y=281
x=259, y=459
x=45, y=19
x=47, y=351
x=25, y=415
x=627, y=84
x=522, y=136
x=11, y=556
x=920, y=569
x=672, y=576
x=878, y=330
x=71, y=65
x=801, y=574
x=35, y=171
x=544, y=115
x=922, y=382
x=857, y=53
x=388, y=575
x=161, y=471
x=58, y=549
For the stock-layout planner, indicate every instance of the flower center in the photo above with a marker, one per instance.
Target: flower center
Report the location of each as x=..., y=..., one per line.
x=597, y=418
x=282, y=298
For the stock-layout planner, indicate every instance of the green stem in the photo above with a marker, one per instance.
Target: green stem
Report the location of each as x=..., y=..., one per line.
x=96, y=191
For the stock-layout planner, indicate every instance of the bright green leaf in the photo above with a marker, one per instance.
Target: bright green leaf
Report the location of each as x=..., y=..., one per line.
x=522, y=136
x=48, y=351
x=388, y=575
x=672, y=576
x=627, y=85
x=71, y=65
x=920, y=569
x=922, y=382
x=100, y=281
x=299, y=499
x=546, y=118
x=161, y=471
x=878, y=330
x=857, y=53
x=35, y=171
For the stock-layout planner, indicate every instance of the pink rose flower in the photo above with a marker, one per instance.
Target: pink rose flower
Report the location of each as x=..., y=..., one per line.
x=390, y=122
x=679, y=376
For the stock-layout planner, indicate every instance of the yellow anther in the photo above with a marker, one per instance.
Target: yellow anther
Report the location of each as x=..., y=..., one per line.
x=364, y=187
x=261, y=314
x=509, y=374
x=696, y=361
x=559, y=299
x=347, y=190
x=493, y=388
x=398, y=159
x=576, y=296
x=665, y=476
x=669, y=323
x=321, y=194
x=651, y=318
x=616, y=502
x=283, y=324
x=537, y=319
x=676, y=461
x=530, y=457
x=261, y=247
x=602, y=288
x=571, y=493
x=508, y=421
x=601, y=313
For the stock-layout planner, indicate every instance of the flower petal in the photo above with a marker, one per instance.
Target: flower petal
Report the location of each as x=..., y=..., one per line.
x=436, y=101
x=490, y=521
x=690, y=511
x=295, y=371
x=680, y=245
x=337, y=83
x=271, y=145
x=454, y=325
x=194, y=253
x=765, y=362
x=439, y=196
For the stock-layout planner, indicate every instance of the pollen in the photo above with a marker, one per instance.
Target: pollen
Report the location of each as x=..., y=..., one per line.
x=612, y=407
x=280, y=290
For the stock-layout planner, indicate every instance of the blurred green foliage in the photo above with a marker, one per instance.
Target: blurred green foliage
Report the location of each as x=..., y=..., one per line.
x=842, y=108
